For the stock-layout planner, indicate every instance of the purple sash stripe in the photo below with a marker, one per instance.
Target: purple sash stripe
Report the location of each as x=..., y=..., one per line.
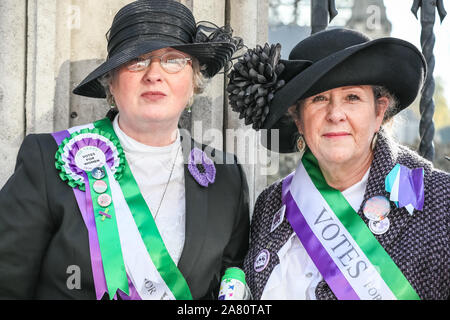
x=323, y=261
x=84, y=201
x=60, y=136
x=134, y=295
x=87, y=211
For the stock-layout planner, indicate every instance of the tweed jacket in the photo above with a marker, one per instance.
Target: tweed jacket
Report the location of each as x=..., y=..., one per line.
x=418, y=243
x=43, y=235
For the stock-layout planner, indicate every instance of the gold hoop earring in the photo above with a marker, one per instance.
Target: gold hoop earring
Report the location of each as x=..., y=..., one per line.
x=373, y=144
x=301, y=144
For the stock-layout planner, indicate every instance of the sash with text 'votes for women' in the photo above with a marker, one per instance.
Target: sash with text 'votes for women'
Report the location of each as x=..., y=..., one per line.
x=128, y=255
x=347, y=254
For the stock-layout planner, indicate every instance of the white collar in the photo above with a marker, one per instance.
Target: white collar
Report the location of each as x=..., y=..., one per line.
x=355, y=193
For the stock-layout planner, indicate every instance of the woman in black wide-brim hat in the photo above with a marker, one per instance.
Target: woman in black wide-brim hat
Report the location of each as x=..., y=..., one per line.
x=362, y=217
x=129, y=206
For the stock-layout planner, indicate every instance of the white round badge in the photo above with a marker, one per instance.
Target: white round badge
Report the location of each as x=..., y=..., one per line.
x=89, y=157
x=262, y=260
x=104, y=200
x=379, y=227
x=100, y=186
x=377, y=208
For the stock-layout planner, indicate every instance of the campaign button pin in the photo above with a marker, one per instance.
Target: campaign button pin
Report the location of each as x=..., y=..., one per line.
x=98, y=173
x=278, y=218
x=89, y=157
x=376, y=208
x=100, y=186
x=104, y=200
x=379, y=227
x=262, y=260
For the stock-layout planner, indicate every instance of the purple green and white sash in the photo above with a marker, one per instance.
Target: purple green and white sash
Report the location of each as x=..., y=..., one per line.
x=128, y=255
x=347, y=254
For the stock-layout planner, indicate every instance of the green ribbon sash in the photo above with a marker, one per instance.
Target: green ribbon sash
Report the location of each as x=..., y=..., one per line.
x=109, y=241
x=148, y=229
x=376, y=254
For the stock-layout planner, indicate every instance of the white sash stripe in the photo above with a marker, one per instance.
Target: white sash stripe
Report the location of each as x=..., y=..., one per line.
x=337, y=241
x=79, y=128
x=138, y=263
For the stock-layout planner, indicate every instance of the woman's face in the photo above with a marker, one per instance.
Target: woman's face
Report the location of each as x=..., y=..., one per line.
x=152, y=95
x=338, y=125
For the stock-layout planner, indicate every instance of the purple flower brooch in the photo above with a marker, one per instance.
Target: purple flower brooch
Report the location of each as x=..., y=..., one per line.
x=201, y=167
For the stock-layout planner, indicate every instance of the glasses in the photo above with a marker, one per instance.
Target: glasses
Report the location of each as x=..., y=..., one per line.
x=171, y=62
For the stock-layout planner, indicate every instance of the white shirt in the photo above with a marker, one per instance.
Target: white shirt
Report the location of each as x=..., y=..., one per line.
x=151, y=167
x=297, y=277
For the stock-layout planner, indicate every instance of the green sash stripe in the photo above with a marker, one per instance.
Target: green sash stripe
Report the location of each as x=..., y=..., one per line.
x=148, y=229
x=109, y=241
x=376, y=254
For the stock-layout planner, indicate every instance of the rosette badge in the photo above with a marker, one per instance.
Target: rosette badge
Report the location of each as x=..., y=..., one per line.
x=86, y=150
x=201, y=167
x=253, y=82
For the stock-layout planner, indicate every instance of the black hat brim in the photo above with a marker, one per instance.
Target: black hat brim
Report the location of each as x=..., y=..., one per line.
x=393, y=63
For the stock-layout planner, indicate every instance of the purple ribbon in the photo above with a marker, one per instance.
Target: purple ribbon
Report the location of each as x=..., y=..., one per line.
x=84, y=201
x=134, y=295
x=323, y=261
x=411, y=188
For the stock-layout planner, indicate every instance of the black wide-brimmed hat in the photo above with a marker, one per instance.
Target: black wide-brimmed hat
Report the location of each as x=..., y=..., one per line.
x=262, y=86
x=147, y=25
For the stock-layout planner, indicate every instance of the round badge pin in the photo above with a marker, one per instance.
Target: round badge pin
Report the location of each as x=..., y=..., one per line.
x=100, y=186
x=104, y=200
x=262, y=260
x=379, y=227
x=89, y=157
x=376, y=208
x=98, y=173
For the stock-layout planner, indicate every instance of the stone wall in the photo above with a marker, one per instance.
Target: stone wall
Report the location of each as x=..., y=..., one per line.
x=48, y=46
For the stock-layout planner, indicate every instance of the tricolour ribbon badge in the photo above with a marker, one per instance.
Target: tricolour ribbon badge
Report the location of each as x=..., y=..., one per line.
x=406, y=187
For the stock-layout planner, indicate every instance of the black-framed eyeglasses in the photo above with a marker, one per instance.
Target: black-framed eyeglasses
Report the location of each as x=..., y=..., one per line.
x=171, y=62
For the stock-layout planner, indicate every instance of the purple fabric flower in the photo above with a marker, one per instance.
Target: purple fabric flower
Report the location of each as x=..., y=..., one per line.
x=201, y=167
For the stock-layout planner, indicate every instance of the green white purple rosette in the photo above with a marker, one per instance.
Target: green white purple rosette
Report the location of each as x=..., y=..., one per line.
x=85, y=150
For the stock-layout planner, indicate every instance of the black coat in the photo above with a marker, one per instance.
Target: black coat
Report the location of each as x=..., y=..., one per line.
x=42, y=232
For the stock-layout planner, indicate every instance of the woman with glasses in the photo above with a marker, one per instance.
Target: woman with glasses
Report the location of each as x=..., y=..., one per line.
x=129, y=207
